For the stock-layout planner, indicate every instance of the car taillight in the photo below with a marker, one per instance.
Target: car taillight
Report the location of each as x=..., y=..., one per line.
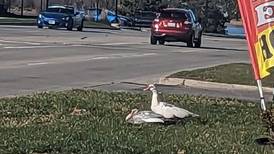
x=178, y=25
x=164, y=24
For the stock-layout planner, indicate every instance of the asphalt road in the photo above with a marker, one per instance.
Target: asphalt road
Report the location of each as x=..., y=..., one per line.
x=34, y=59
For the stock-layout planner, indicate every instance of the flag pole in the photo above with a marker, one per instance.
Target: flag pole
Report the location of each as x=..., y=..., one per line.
x=273, y=94
x=260, y=88
x=248, y=22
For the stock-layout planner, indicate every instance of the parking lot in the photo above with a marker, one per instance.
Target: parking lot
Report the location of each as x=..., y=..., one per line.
x=33, y=59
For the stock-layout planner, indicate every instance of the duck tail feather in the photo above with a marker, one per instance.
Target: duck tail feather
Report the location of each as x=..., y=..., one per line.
x=195, y=115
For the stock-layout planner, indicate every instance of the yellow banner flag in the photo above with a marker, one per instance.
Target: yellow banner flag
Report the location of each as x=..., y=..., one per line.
x=265, y=51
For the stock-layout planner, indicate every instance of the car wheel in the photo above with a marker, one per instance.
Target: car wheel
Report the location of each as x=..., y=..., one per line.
x=153, y=40
x=40, y=26
x=190, y=41
x=198, y=43
x=80, y=28
x=70, y=24
x=162, y=41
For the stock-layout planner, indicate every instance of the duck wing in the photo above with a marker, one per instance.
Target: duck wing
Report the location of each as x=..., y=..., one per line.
x=149, y=114
x=176, y=111
x=146, y=117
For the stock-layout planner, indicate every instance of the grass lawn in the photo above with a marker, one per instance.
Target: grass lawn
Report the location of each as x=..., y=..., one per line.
x=236, y=73
x=46, y=123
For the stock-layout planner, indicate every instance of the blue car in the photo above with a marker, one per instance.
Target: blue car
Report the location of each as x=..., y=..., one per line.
x=60, y=16
x=96, y=15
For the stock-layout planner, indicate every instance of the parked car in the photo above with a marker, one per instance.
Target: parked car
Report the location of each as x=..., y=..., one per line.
x=144, y=18
x=96, y=15
x=174, y=24
x=60, y=16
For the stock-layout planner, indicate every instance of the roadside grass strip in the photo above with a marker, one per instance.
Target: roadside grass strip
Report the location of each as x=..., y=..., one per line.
x=88, y=121
x=234, y=73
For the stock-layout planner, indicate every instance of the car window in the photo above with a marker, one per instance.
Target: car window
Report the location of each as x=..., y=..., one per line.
x=67, y=11
x=52, y=10
x=192, y=16
x=173, y=15
x=146, y=15
x=60, y=10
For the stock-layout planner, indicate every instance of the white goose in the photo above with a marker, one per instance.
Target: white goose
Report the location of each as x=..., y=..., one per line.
x=139, y=117
x=165, y=109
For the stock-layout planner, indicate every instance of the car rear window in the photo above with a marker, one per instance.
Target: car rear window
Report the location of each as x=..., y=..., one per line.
x=61, y=10
x=148, y=15
x=173, y=15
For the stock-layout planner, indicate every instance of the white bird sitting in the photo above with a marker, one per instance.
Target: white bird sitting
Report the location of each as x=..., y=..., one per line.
x=165, y=109
x=139, y=117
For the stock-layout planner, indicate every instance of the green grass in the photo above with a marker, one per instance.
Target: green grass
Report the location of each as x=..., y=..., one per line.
x=236, y=73
x=43, y=123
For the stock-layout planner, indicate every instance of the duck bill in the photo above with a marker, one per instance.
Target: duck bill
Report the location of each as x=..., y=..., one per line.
x=128, y=116
x=146, y=88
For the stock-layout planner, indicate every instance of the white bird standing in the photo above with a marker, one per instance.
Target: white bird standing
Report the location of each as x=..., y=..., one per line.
x=139, y=117
x=165, y=109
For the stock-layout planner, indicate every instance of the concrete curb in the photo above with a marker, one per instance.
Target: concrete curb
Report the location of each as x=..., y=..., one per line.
x=222, y=35
x=209, y=85
x=92, y=27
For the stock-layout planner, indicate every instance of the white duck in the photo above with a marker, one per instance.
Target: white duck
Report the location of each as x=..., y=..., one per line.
x=139, y=117
x=165, y=109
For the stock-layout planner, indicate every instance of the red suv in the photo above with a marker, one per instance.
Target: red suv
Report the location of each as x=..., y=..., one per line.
x=173, y=25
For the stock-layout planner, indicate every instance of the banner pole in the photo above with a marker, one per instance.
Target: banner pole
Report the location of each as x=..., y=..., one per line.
x=260, y=88
x=273, y=94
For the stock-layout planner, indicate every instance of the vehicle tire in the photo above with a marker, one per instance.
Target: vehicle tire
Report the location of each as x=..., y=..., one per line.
x=40, y=26
x=80, y=28
x=198, y=43
x=162, y=41
x=70, y=24
x=153, y=40
x=190, y=42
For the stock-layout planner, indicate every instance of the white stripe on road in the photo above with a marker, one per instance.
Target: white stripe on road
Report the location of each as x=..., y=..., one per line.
x=119, y=43
x=30, y=43
x=71, y=59
x=38, y=63
x=122, y=56
x=46, y=46
x=33, y=47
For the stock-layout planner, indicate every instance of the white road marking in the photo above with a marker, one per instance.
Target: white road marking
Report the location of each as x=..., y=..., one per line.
x=30, y=43
x=117, y=56
x=38, y=63
x=70, y=59
x=32, y=47
x=45, y=46
x=118, y=43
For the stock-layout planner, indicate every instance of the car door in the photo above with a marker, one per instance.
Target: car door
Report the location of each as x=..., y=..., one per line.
x=196, y=25
x=78, y=18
